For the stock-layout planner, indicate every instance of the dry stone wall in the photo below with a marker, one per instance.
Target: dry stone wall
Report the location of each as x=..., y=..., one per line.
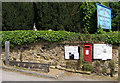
x=52, y=53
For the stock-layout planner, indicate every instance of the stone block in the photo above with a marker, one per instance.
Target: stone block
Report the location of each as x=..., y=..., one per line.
x=53, y=67
x=115, y=75
x=63, y=65
x=83, y=72
x=116, y=69
x=108, y=71
x=70, y=70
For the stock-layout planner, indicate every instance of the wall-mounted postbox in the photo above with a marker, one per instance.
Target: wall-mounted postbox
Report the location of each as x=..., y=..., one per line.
x=87, y=52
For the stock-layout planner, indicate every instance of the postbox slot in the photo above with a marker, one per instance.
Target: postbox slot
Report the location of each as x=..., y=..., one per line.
x=87, y=46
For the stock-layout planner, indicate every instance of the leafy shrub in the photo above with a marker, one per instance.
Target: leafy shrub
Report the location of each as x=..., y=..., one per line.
x=97, y=66
x=97, y=63
x=104, y=70
x=87, y=67
x=100, y=30
x=112, y=67
x=25, y=37
x=71, y=64
x=111, y=64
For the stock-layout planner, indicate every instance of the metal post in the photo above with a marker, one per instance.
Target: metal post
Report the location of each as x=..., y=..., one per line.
x=7, y=52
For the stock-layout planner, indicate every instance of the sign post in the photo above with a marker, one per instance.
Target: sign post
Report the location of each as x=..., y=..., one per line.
x=103, y=16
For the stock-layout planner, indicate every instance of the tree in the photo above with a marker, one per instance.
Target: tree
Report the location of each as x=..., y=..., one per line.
x=74, y=17
x=115, y=8
x=17, y=16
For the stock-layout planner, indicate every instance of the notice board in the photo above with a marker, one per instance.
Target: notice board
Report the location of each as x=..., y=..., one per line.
x=102, y=51
x=71, y=52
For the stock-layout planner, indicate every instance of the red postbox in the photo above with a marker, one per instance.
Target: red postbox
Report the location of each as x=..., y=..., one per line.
x=87, y=52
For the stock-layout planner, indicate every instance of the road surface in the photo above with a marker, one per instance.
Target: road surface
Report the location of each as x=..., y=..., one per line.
x=17, y=76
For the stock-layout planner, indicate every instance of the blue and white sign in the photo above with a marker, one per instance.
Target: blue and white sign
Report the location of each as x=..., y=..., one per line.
x=103, y=17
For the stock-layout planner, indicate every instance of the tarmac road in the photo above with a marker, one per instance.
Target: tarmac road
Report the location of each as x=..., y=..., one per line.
x=17, y=76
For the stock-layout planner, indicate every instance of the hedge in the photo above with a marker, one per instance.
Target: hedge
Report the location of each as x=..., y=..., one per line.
x=25, y=37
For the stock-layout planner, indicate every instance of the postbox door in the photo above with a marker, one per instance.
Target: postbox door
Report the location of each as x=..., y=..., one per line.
x=87, y=52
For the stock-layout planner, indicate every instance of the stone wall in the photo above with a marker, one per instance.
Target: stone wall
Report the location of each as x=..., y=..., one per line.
x=52, y=53
x=41, y=52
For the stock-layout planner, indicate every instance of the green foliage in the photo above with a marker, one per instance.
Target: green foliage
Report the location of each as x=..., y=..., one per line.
x=113, y=38
x=112, y=64
x=58, y=16
x=115, y=14
x=88, y=67
x=21, y=68
x=17, y=16
x=104, y=70
x=112, y=67
x=81, y=58
x=108, y=37
x=97, y=66
x=74, y=17
x=100, y=30
x=25, y=37
x=87, y=15
x=97, y=63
